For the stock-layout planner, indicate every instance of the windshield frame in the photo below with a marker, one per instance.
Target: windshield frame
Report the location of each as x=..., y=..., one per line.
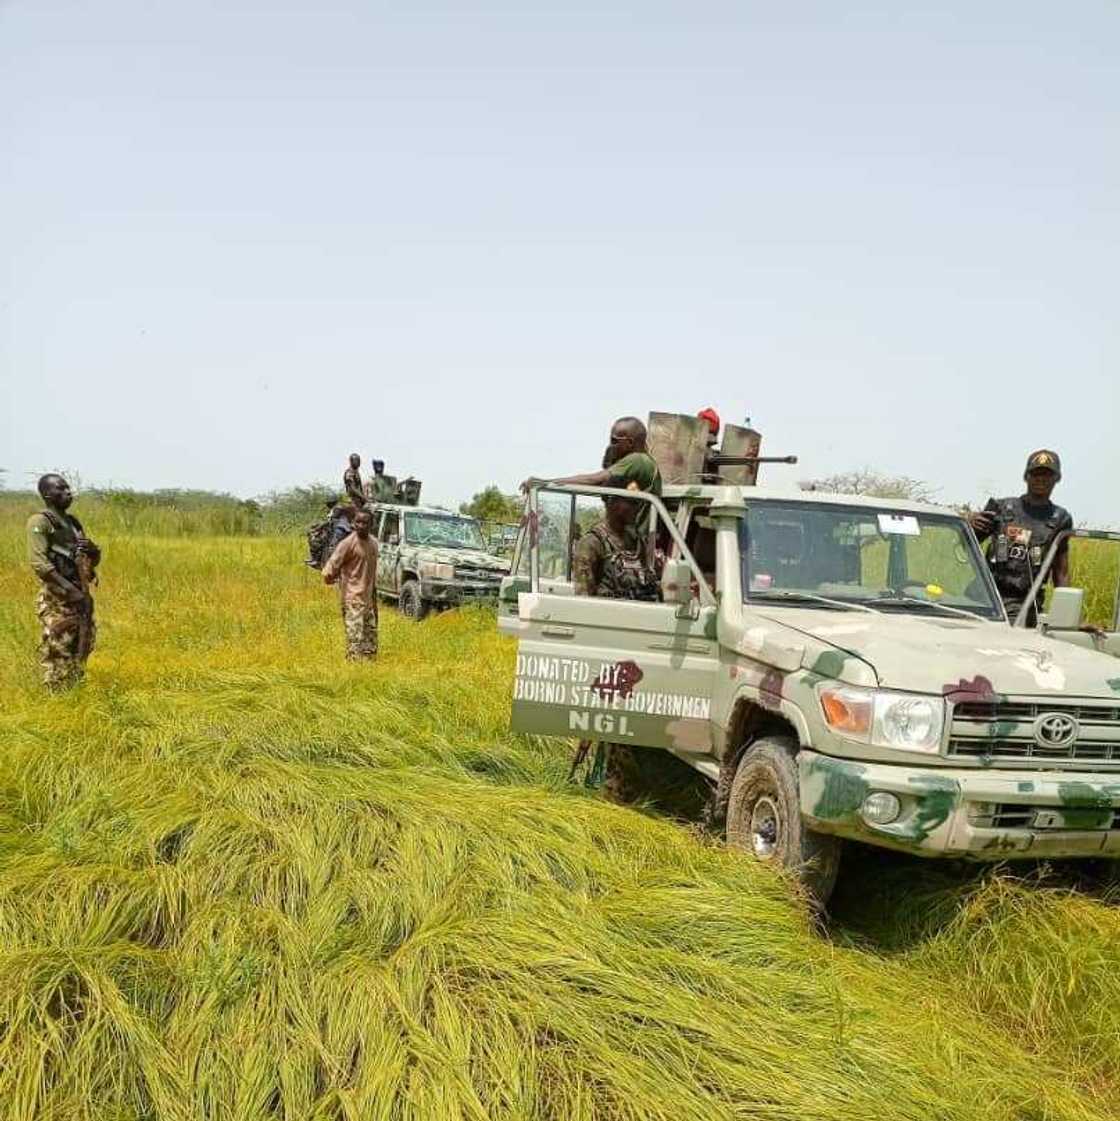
x=408, y=520
x=994, y=613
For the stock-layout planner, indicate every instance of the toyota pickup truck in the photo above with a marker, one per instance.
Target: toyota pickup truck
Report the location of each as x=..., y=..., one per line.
x=839, y=669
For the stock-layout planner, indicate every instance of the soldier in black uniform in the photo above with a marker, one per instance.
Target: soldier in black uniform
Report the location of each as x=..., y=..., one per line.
x=1019, y=532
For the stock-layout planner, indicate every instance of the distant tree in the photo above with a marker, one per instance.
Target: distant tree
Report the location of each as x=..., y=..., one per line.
x=490, y=505
x=875, y=484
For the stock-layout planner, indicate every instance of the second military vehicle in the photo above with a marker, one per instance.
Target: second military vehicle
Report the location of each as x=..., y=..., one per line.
x=840, y=669
x=431, y=558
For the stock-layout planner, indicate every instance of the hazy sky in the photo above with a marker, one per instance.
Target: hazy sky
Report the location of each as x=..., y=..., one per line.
x=241, y=239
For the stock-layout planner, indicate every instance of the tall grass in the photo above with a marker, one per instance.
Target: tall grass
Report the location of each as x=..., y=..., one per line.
x=241, y=879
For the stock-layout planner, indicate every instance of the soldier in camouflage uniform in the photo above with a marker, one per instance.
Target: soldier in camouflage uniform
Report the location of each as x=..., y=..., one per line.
x=612, y=560
x=352, y=481
x=63, y=559
x=379, y=486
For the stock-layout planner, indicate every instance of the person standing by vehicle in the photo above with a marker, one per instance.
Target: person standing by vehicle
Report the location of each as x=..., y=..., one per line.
x=1019, y=533
x=352, y=480
x=353, y=567
x=64, y=560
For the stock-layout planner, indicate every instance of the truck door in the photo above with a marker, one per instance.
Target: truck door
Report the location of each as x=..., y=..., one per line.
x=608, y=669
x=388, y=545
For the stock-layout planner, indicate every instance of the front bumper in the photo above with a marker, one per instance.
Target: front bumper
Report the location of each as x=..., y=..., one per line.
x=980, y=815
x=454, y=592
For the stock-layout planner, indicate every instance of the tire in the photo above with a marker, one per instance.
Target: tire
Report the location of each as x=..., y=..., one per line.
x=411, y=602
x=764, y=818
x=649, y=774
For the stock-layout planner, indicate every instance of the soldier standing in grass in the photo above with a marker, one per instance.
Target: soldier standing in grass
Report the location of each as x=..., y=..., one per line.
x=353, y=566
x=63, y=559
x=1019, y=532
x=352, y=480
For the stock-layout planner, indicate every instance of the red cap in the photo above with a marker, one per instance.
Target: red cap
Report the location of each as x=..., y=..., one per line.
x=712, y=417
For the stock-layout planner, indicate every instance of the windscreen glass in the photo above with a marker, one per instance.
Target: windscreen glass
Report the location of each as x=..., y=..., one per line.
x=449, y=531
x=879, y=558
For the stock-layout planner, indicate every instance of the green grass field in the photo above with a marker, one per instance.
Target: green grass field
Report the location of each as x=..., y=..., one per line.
x=241, y=879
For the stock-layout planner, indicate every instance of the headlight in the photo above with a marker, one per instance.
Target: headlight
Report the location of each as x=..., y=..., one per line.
x=904, y=720
x=434, y=571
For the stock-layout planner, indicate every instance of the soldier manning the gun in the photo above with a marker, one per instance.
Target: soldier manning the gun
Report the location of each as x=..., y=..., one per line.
x=64, y=560
x=352, y=480
x=379, y=487
x=353, y=567
x=711, y=418
x=1019, y=532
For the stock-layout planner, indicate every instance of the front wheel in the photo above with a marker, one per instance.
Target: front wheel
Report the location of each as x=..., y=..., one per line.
x=764, y=818
x=412, y=603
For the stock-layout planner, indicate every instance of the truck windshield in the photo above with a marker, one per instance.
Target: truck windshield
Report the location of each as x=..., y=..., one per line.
x=879, y=558
x=439, y=529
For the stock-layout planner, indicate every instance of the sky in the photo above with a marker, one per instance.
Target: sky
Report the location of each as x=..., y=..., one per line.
x=239, y=240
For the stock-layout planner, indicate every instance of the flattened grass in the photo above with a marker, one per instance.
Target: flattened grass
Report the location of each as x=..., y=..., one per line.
x=240, y=879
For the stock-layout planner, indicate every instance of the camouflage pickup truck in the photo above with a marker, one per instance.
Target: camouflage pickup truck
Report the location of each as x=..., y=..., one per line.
x=839, y=669
x=431, y=558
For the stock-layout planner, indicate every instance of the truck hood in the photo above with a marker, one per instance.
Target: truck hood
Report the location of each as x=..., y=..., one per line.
x=462, y=558
x=939, y=654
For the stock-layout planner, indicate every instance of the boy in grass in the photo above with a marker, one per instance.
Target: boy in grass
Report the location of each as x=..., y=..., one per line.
x=353, y=567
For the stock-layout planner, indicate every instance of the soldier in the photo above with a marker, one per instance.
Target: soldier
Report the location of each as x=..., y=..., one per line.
x=352, y=480
x=379, y=487
x=711, y=418
x=1019, y=532
x=626, y=460
x=353, y=566
x=63, y=559
x=612, y=559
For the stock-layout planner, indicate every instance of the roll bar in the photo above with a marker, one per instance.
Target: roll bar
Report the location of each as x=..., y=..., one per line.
x=706, y=595
x=1048, y=564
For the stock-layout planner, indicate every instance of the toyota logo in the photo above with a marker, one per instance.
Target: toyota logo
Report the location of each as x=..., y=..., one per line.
x=1055, y=729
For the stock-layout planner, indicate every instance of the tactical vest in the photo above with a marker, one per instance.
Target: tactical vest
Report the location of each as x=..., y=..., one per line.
x=1015, y=562
x=625, y=575
x=65, y=557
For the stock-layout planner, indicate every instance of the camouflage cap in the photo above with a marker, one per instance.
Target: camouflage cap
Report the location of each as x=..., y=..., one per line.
x=1044, y=460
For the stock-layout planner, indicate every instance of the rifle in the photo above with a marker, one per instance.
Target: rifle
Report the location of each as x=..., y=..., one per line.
x=85, y=563
x=580, y=755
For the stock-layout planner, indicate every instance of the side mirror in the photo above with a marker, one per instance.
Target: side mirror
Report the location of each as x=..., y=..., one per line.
x=676, y=583
x=1066, y=607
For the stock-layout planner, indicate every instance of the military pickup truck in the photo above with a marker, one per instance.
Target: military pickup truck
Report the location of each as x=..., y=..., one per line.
x=431, y=558
x=839, y=669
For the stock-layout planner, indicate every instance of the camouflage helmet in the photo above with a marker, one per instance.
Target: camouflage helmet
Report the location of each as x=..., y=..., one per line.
x=1044, y=460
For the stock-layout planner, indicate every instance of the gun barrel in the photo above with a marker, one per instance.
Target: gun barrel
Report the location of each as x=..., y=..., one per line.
x=744, y=460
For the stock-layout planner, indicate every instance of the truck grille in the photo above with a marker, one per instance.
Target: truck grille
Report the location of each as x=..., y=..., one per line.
x=486, y=575
x=1012, y=815
x=1002, y=731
